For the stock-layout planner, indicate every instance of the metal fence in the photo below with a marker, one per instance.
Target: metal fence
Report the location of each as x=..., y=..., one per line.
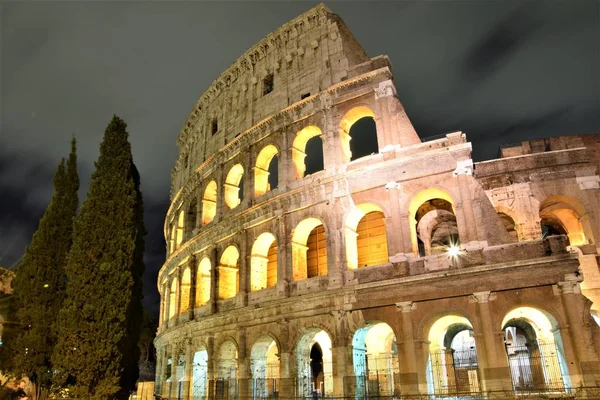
x=536, y=368
x=454, y=373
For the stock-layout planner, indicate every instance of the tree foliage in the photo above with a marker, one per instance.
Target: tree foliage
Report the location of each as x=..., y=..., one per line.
x=39, y=284
x=96, y=355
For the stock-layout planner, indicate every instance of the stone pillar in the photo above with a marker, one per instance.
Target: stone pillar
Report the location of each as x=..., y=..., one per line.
x=409, y=374
x=244, y=388
x=193, y=266
x=214, y=281
x=576, y=338
x=394, y=225
x=174, y=361
x=244, y=271
x=462, y=173
x=286, y=381
x=495, y=374
x=210, y=367
x=220, y=192
x=189, y=364
x=165, y=316
x=283, y=258
x=159, y=370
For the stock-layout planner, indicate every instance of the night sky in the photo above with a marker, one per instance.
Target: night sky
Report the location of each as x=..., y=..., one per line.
x=499, y=71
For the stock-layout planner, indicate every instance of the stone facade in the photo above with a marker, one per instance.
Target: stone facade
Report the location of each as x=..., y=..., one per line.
x=404, y=270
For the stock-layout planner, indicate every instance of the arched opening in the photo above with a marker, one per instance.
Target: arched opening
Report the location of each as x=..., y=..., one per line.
x=375, y=361
x=203, y=282
x=309, y=249
x=209, y=203
x=535, y=352
x=358, y=133
x=266, y=163
x=226, y=385
x=433, y=221
x=307, y=159
x=263, y=262
x=314, y=363
x=234, y=192
x=452, y=366
x=564, y=215
x=366, y=237
x=180, y=228
x=186, y=285
x=173, y=298
x=200, y=374
x=264, y=365
x=229, y=273
x=510, y=226
x=190, y=223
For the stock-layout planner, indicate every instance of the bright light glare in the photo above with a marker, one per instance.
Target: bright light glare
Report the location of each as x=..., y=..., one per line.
x=453, y=251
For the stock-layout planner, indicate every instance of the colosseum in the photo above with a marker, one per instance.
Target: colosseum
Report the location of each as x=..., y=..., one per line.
x=317, y=247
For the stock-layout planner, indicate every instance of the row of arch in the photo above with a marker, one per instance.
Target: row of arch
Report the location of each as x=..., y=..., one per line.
x=534, y=352
x=435, y=230
x=359, y=139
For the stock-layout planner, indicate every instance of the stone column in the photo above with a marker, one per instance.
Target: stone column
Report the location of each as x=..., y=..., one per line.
x=462, y=174
x=495, y=374
x=159, y=370
x=395, y=233
x=174, y=361
x=283, y=259
x=189, y=363
x=165, y=316
x=576, y=338
x=210, y=367
x=286, y=381
x=243, y=376
x=214, y=280
x=409, y=374
x=244, y=271
x=220, y=193
x=193, y=266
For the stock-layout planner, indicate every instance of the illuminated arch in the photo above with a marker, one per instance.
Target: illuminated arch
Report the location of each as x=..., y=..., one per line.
x=534, y=350
x=510, y=226
x=203, y=282
x=261, y=170
x=314, y=342
x=565, y=214
x=227, y=363
x=299, y=149
x=452, y=360
x=263, y=262
x=349, y=119
x=309, y=249
x=416, y=202
x=186, y=285
x=200, y=373
x=229, y=283
x=375, y=360
x=233, y=185
x=366, y=237
x=264, y=366
x=209, y=203
x=173, y=298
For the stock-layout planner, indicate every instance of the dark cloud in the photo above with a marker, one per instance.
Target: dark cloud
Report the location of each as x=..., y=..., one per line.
x=499, y=71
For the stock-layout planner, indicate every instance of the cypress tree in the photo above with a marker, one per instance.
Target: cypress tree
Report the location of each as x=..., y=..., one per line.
x=98, y=321
x=39, y=284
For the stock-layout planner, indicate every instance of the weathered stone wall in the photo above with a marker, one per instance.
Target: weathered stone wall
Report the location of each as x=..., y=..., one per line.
x=495, y=212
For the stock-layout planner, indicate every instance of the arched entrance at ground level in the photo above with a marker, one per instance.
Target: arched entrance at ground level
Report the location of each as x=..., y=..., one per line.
x=200, y=375
x=534, y=350
x=314, y=363
x=264, y=366
x=452, y=367
x=375, y=361
x=226, y=385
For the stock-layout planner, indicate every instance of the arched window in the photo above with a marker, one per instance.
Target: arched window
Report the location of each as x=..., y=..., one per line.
x=366, y=237
x=452, y=362
x=264, y=178
x=358, y=133
x=375, y=361
x=263, y=265
x=432, y=216
x=190, y=223
x=535, y=351
x=229, y=284
x=186, y=284
x=307, y=159
x=173, y=298
x=203, y=282
x=209, y=203
x=233, y=186
x=264, y=366
x=309, y=249
x=565, y=215
x=180, y=227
